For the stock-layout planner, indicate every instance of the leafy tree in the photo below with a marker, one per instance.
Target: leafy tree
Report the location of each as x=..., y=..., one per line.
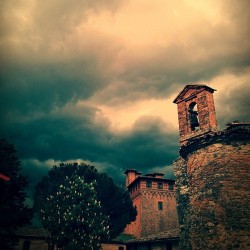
x=115, y=200
x=73, y=216
x=13, y=212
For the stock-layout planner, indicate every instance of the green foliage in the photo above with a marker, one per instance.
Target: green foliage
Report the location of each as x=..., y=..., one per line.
x=73, y=216
x=13, y=212
x=115, y=200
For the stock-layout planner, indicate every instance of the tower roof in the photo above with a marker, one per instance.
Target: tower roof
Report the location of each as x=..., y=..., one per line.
x=143, y=178
x=157, y=175
x=132, y=170
x=195, y=87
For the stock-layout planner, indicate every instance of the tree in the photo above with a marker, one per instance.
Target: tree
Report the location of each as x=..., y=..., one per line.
x=13, y=212
x=73, y=216
x=115, y=200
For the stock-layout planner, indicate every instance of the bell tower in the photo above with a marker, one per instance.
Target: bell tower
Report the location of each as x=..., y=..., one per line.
x=196, y=111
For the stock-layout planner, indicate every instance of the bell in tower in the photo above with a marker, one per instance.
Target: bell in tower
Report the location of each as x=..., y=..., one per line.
x=196, y=111
x=194, y=123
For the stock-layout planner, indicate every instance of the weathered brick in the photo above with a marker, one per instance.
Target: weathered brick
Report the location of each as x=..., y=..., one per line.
x=213, y=169
x=150, y=218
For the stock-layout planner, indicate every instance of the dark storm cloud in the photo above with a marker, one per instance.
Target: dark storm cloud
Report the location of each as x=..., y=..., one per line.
x=31, y=88
x=159, y=75
x=42, y=111
x=148, y=145
x=63, y=63
x=65, y=137
x=234, y=104
x=195, y=55
x=57, y=136
x=50, y=35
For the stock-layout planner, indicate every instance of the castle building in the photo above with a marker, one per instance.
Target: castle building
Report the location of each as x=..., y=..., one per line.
x=212, y=175
x=155, y=200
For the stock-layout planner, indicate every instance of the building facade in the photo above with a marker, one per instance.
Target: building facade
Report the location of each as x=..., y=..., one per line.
x=155, y=200
x=212, y=176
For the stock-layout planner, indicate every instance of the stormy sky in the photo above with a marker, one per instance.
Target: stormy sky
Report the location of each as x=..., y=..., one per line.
x=94, y=81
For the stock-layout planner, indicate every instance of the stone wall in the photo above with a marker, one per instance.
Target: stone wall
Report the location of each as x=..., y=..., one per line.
x=182, y=200
x=213, y=195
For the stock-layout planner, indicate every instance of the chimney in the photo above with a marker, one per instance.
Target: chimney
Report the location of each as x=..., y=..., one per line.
x=131, y=175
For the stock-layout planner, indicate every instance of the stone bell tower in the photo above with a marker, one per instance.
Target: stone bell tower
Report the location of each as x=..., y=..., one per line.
x=212, y=175
x=196, y=111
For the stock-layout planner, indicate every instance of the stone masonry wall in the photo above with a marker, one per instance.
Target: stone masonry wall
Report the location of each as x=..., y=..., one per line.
x=182, y=200
x=219, y=197
x=213, y=196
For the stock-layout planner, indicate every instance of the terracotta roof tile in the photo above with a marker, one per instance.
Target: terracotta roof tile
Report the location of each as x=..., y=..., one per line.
x=166, y=235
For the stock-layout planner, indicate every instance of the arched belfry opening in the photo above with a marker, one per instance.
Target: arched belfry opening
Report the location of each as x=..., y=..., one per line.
x=193, y=116
x=196, y=111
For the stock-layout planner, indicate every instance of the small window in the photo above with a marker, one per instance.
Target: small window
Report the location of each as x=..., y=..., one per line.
x=160, y=185
x=160, y=205
x=169, y=245
x=194, y=120
x=148, y=184
x=26, y=245
x=171, y=186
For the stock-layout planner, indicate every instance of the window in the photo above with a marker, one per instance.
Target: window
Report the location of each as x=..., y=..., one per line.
x=160, y=185
x=26, y=245
x=169, y=245
x=148, y=184
x=194, y=122
x=171, y=186
x=160, y=205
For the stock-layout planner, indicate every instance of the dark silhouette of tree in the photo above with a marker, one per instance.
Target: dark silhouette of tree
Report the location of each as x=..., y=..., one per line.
x=13, y=212
x=115, y=200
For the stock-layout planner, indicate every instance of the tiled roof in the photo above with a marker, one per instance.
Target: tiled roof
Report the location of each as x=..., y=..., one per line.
x=149, y=178
x=123, y=238
x=189, y=86
x=166, y=235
